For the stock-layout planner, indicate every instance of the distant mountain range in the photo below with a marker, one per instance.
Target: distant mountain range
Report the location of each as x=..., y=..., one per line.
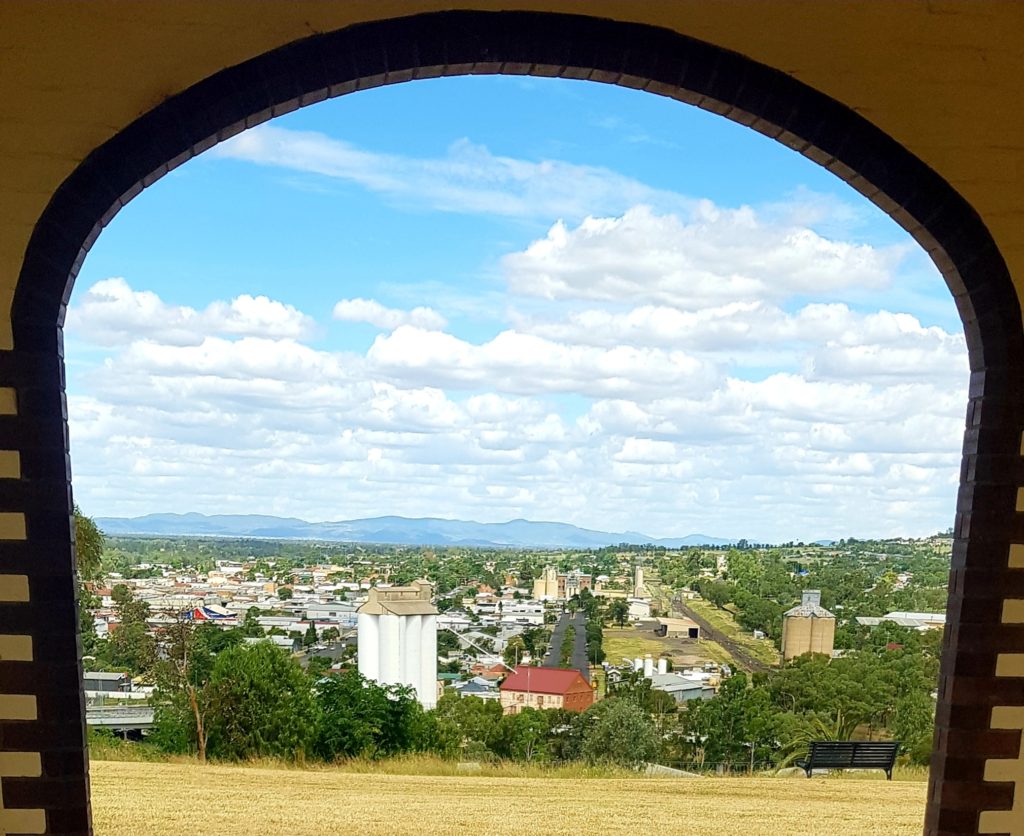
x=427, y=531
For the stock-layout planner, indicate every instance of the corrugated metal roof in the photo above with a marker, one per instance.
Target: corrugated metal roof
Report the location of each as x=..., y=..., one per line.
x=933, y=617
x=674, y=682
x=543, y=680
x=477, y=687
x=810, y=611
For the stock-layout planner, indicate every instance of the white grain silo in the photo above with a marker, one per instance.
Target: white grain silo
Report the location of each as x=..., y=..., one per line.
x=398, y=639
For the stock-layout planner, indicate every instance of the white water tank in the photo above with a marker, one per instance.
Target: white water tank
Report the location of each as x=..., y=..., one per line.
x=648, y=666
x=663, y=665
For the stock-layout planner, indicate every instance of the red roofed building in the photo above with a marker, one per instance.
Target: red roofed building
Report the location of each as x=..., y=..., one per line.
x=531, y=687
x=492, y=672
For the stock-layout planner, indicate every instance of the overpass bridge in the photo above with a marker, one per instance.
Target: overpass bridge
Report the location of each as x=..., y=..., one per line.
x=120, y=719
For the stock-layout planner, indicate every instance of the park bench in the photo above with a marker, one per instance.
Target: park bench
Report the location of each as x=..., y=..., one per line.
x=851, y=754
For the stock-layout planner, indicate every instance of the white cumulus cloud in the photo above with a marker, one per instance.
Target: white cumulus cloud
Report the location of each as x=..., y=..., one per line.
x=526, y=364
x=112, y=313
x=387, y=319
x=713, y=257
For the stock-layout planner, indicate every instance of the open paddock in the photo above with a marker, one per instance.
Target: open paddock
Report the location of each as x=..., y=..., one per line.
x=167, y=799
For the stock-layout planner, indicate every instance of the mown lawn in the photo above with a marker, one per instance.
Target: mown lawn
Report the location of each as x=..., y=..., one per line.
x=168, y=799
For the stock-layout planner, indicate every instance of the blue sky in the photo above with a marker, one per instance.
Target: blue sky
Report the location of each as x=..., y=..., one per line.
x=496, y=297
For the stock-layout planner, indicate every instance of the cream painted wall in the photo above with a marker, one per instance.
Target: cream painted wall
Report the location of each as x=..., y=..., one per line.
x=944, y=78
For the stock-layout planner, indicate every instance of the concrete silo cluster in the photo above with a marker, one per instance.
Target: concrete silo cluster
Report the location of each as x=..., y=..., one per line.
x=398, y=639
x=808, y=628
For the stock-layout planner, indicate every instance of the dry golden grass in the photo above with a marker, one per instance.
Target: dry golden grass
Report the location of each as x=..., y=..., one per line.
x=167, y=799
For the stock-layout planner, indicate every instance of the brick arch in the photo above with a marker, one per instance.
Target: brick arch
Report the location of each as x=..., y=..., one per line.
x=978, y=758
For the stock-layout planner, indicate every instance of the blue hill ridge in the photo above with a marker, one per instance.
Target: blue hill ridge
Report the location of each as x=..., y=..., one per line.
x=423, y=531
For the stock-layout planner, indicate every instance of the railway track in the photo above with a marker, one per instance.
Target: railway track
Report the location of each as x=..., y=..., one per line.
x=739, y=653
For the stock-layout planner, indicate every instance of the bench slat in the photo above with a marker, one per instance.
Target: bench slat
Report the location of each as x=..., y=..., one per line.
x=851, y=754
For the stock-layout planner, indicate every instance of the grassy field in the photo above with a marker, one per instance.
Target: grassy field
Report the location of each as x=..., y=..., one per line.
x=629, y=642
x=760, y=649
x=167, y=799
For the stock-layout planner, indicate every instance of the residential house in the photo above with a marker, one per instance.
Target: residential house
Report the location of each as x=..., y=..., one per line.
x=481, y=688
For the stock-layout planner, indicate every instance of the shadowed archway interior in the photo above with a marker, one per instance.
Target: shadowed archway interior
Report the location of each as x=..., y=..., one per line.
x=977, y=758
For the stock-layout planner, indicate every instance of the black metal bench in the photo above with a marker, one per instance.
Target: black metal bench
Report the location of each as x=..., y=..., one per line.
x=851, y=754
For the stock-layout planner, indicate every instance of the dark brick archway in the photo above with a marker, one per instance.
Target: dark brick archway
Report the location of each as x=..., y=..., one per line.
x=43, y=764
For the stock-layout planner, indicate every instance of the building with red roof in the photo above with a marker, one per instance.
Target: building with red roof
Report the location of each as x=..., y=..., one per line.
x=530, y=687
x=492, y=672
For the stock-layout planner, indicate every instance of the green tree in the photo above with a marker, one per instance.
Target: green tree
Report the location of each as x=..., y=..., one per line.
x=618, y=611
x=734, y=729
x=447, y=642
x=88, y=545
x=359, y=718
x=618, y=731
x=855, y=687
x=184, y=661
x=913, y=724
x=251, y=627
x=311, y=636
x=318, y=666
x=536, y=640
x=515, y=647
x=285, y=593
x=470, y=720
x=87, y=602
x=568, y=645
x=595, y=634
x=522, y=736
x=718, y=593
x=564, y=740
x=131, y=647
x=260, y=705
x=181, y=681
x=88, y=557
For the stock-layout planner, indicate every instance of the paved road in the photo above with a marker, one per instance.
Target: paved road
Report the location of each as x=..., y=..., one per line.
x=737, y=651
x=333, y=651
x=579, y=650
